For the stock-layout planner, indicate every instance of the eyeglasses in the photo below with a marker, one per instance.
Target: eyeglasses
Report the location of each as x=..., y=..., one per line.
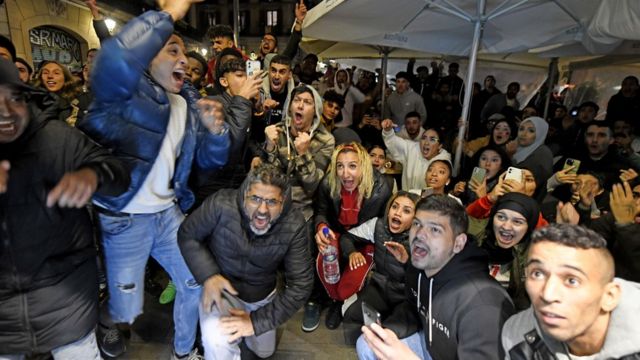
x=431, y=139
x=257, y=201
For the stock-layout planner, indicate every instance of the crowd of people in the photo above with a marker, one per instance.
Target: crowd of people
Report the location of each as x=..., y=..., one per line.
x=285, y=189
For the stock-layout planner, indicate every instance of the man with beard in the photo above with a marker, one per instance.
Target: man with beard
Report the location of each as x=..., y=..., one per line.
x=414, y=156
x=234, y=245
x=454, y=309
x=269, y=43
x=412, y=128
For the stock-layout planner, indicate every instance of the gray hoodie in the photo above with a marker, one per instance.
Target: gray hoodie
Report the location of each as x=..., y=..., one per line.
x=622, y=340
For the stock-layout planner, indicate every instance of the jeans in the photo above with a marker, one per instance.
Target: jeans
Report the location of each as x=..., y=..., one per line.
x=215, y=342
x=128, y=241
x=415, y=342
x=83, y=349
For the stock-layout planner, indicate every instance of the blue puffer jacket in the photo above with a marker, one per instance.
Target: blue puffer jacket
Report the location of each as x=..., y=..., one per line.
x=130, y=113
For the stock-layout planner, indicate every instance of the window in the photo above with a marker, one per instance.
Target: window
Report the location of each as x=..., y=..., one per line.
x=272, y=18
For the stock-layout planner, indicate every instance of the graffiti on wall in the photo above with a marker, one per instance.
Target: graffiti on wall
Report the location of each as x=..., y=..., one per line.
x=49, y=43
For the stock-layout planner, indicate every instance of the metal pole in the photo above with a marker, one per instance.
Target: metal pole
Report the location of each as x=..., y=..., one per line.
x=383, y=71
x=477, y=36
x=236, y=22
x=551, y=81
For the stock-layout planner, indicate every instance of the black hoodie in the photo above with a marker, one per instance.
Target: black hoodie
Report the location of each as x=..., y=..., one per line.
x=468, y=308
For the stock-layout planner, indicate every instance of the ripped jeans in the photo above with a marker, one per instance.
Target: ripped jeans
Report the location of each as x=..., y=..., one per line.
x=128, y=241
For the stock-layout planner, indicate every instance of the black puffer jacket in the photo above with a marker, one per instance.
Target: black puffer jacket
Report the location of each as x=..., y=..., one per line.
x=328, y=208
x=216, y=239
x=48, y=286
x=388, y=273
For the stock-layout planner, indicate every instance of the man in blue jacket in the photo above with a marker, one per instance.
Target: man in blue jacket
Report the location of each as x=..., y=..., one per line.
x=147, y=115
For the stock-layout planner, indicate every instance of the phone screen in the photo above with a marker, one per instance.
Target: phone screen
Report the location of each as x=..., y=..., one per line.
x=370, y=315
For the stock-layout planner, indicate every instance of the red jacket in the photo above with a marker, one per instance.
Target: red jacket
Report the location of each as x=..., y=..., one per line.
x=481, y=209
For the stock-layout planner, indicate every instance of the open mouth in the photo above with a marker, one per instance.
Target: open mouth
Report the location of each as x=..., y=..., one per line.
x=549, y=318
x=418, y=250
x=261, y=221
x=8, y=127
x=178, y=76
x=298, y=117
x=348, y=184
x=395, y=223
x=433, y=181
x=505, y=237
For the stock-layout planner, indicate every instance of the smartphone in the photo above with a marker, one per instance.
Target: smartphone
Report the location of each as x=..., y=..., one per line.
x=370, y=315
x=479, y=174
x=229, y=301
x=514, y=173
x=428, y=191
x=572, y=162
x=253, y=66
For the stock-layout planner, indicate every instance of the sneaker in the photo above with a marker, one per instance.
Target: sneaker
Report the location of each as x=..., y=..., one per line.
x=334, y=316
x=193, y=355
x=110, y=341
x=311, y=318
x=168, y=294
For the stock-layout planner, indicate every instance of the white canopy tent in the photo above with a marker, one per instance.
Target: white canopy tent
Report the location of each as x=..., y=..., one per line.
x=463, y=27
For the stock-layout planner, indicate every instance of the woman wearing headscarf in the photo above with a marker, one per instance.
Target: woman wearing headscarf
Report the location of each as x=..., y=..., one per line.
x=531, y=152
x=351, y=193
x=512, y=220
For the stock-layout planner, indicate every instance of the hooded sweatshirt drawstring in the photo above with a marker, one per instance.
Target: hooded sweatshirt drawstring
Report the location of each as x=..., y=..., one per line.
x=430, y=301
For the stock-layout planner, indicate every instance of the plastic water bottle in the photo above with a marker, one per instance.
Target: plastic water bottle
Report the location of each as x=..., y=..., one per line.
x=330, y=265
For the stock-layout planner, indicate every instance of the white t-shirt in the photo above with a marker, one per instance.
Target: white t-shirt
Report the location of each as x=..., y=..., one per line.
x=156, y=193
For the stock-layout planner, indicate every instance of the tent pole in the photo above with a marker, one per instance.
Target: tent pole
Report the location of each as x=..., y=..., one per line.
x=236, y=22
x=383, y=71
x=553, y=66
x=471, y=70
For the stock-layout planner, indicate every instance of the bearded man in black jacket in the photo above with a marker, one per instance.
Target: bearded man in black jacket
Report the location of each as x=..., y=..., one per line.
x=234, y=245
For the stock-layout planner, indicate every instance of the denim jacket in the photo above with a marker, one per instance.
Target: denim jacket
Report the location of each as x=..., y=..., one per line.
x=130, y=113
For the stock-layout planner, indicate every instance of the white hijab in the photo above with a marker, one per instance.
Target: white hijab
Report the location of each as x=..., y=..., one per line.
x=542, y=128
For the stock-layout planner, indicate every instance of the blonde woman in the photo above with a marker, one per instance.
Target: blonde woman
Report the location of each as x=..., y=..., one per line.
x=350, y=194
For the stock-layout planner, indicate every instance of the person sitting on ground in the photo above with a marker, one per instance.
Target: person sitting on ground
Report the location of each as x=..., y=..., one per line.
x=255, y=222
x=453, y=308
x=390, y=235
x=415, y=157
x=578, y=309
x=351, y=193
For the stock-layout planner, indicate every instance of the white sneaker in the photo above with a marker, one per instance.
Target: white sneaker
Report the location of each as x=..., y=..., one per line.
x=193, y=355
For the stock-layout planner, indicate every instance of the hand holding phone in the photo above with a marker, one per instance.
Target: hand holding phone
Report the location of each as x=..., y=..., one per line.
x=478, y=174
x=370, y=315
x=514, y=174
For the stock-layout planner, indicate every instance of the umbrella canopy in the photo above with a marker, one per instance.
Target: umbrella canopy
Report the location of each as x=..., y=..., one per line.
x=456, y=27
x=447, y=26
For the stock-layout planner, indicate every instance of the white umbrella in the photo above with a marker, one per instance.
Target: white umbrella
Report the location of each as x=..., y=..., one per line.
x=454, y=27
